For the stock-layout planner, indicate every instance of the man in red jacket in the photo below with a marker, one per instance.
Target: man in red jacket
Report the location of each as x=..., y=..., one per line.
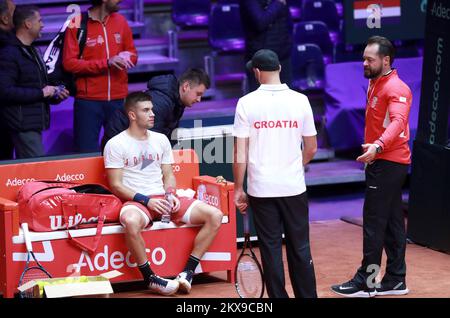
x=101, y=71
x=387, y=156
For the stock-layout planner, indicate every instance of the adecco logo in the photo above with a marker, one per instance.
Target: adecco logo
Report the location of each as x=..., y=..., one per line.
x=106, y=259
x=70, y=177
x=64, y=177
x=18, y=182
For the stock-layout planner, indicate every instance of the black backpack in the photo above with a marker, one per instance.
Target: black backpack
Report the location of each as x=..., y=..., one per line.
x=54, y=54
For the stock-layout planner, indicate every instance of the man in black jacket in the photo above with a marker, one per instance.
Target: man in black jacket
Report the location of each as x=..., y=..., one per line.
x=6, y=25
x=24, y=93
x=267, y=25
x=170, y=97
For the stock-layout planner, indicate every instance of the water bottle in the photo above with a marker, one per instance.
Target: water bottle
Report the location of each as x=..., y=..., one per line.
x=165, y=217
x=201, y=191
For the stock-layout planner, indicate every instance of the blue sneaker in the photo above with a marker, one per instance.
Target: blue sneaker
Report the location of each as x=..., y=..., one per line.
x=185, y=281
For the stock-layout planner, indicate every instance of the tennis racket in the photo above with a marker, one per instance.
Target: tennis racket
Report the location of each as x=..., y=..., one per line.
x=35, y=272
x=248, y=273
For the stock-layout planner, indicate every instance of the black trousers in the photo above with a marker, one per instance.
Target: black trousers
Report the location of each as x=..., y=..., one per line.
x=7, y=146
x=270, y=215
x=383, y=222
x=27, y=144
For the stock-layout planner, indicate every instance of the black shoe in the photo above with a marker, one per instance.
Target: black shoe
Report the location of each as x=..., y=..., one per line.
x=392, y=288
x=352, y=289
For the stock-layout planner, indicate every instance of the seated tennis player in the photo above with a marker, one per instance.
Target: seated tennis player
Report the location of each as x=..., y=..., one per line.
x=138, y=165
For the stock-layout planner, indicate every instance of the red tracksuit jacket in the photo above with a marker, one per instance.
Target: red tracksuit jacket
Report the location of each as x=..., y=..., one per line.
x=94, y=79
x=387, y=112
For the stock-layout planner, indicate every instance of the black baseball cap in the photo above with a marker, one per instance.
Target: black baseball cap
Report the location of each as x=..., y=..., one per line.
x=264, y=60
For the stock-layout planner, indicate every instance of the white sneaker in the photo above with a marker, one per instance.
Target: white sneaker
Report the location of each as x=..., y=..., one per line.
x=185, y=281
x=163, y=286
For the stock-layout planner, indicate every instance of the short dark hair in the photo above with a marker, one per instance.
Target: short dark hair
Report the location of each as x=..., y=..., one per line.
x=96, y=2
x=135, y=97
x=22, y=13
x=3, y=7
x=195, y=76
x=385, y=47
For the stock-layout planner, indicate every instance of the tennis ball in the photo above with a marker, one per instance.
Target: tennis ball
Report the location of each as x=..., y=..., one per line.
x=83, y=279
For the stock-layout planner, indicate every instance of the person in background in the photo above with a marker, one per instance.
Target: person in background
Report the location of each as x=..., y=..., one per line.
x=24, y=89
x=101, y=72
x=170, y=97
x=267, y=25
x=6, y=26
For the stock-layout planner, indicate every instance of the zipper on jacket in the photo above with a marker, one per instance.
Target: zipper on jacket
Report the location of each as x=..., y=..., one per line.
x=107, y=56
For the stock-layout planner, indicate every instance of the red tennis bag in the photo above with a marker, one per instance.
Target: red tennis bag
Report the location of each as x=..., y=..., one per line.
x=50, y=206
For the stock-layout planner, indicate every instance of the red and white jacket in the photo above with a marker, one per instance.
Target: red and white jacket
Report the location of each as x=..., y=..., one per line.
x=387, y=111
x=94, y=79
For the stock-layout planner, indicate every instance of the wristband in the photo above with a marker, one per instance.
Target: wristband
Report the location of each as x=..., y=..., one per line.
x=142, y=199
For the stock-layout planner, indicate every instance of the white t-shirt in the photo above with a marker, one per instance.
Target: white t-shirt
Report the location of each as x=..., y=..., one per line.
x=274, y=118
x=140, y=160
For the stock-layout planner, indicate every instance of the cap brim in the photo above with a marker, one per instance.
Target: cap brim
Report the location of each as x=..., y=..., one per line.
x=249, y=65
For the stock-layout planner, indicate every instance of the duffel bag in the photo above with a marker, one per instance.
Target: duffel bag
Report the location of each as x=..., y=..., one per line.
x=50, y=206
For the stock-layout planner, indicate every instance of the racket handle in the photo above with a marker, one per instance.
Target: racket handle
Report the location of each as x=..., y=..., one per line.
x=26, y=236
x=246, y=223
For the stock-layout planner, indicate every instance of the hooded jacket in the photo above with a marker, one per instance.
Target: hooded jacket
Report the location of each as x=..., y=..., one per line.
x=167, y=107
x=23, y=76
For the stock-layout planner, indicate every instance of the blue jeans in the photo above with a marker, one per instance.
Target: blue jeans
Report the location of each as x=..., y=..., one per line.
x=88, y=118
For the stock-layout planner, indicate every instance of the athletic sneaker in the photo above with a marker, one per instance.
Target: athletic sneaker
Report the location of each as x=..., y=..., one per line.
x=163, y=286
x=185, y=280
x=352, y=289
x=392, y=288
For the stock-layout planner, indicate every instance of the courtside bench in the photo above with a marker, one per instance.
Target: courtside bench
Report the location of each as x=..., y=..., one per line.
x=168, y=246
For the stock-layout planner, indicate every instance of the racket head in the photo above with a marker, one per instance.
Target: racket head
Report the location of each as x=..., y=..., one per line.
x=36, y=272
x=32, y=273
x=249, y=277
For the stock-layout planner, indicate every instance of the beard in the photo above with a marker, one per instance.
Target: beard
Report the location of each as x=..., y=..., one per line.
x=372, y=73
x=113, y=7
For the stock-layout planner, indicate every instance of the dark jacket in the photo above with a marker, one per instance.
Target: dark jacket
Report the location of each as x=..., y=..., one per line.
x=5, y=37
x=23, y=75
x=167, y=106
x=267, y=24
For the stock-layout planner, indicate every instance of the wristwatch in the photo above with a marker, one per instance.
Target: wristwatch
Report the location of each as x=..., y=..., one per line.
x=378, y=147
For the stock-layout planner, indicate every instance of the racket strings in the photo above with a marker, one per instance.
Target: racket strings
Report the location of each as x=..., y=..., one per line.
x=32, y=273
x=249, y=279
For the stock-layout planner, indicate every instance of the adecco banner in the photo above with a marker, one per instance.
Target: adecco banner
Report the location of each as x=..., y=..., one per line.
x=82, y=170
x=435, y=97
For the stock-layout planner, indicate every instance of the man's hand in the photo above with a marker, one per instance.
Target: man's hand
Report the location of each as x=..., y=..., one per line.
x=176, y=204
x=126, y=56
x=117, y=62
x=49, y=91
x=240, y=200
x=159, y=205
x=61, y=93
x=370, y=151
